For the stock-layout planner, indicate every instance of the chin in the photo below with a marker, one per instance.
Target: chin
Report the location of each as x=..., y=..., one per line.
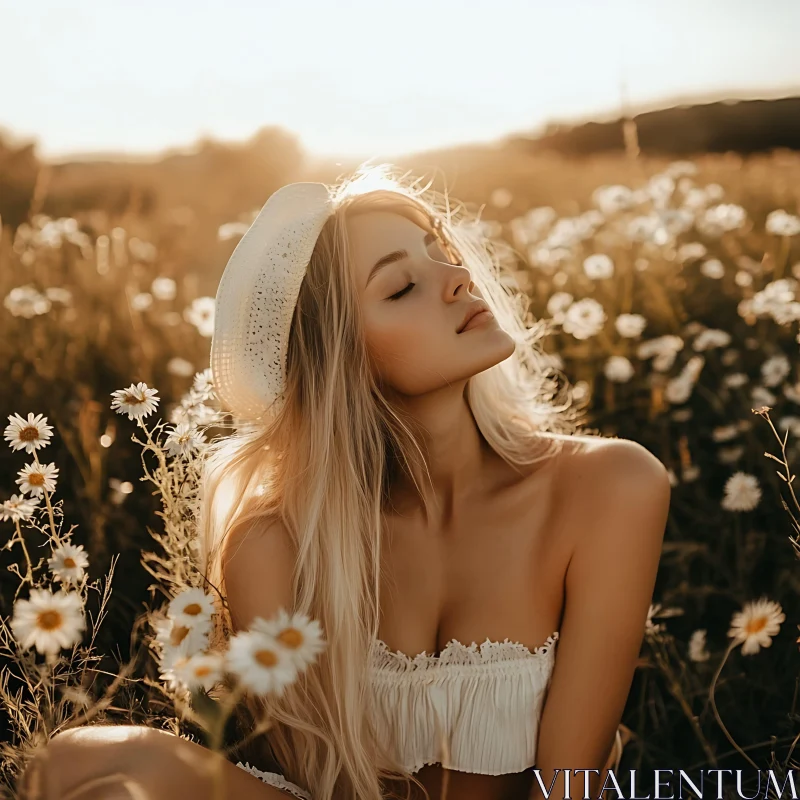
x=499, y=342
x=499, y=349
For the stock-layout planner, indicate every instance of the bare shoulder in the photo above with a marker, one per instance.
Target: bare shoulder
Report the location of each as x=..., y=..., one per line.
x=609, y=478
x=595, y=460
x=258, y=559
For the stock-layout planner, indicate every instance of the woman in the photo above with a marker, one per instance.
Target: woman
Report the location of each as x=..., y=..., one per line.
x=404, y=472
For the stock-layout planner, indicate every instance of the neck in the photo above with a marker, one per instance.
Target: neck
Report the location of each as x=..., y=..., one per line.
x=456, y=454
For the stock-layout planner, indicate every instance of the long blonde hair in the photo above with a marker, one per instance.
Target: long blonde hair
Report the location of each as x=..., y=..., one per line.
x=324, y=464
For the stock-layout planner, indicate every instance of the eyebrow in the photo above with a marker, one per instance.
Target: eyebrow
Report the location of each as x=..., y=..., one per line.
x=396, y=255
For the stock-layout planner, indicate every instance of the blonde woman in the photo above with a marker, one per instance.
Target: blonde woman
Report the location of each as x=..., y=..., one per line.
x=406, y=471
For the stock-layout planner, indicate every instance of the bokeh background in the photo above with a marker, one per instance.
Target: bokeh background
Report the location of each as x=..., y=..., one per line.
x=636, y=161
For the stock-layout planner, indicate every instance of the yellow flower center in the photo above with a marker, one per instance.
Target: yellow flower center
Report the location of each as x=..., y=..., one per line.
x=192, y=609
x=49, y=620
x=266, y=658
x=202, y=671
x=291, y=637
x=29, y=434
x=178, y=634
x=36, y=479
x=133, y=399
x=756, y=624
x=69, y=562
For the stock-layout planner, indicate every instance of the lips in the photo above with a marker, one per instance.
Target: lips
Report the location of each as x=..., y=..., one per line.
x=472, y=311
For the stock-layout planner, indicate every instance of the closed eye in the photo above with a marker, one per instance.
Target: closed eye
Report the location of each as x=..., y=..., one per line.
x=402, y=292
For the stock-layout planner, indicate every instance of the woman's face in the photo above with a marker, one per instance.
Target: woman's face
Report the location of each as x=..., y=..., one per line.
x=413, y=304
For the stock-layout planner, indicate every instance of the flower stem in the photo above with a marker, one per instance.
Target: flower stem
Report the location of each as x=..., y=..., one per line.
x=29, y=576
x=714, y=705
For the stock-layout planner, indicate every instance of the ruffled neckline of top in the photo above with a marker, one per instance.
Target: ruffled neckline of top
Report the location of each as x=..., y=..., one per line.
x=456, y=653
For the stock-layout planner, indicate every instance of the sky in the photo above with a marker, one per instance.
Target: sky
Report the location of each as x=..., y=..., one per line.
x=365, y=78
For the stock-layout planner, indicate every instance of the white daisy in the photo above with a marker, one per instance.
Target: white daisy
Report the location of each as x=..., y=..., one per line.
x=697, y=646
x=630, y=325
x=775, y=369
x=713, y=268
x=618, y=369
x=172, y=660
x=201, y=314
x=184, y=439
x=38, y=478
x=656, y=611
x=58, y=294
x=711, y=338
x=678, y=390
x=721, y=218
x=612, y=199
x=200, y=670
x=18, y=507
x=141, y=301
x=695, y=199
x=68, y=563
x=299, y=634
x=231, y=230
x=557, y=304
x=164, y=288
x=584, y=319
x=742, y=492
x=724, y=433
x=651, y=628
x=26, y=301
x=761, y=396
x=598, y=266
x=260, y=662
x=48, y=621
x=691, y=251
x=734, y=380
x=137, y=401
x=780, y=223
x=179, y=639
x=31, y=434
x=191, y=606
x=663, y=361
x=669, y=343
x=754, y=626
x=192, y=410
x=180, y=367
x=203, y=384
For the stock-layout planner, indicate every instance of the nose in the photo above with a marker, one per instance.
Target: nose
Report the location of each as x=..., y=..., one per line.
x=456, y=277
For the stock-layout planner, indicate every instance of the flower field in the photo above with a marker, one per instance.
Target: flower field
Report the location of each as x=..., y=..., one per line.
x=670, y=295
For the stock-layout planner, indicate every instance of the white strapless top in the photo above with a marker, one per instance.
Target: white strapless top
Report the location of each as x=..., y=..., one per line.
x=486, y=699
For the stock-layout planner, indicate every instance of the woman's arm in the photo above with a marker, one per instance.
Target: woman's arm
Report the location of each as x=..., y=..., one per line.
x=623, y=507
x=257, y=563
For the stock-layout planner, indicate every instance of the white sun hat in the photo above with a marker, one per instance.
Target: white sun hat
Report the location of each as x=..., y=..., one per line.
x=257, y=295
